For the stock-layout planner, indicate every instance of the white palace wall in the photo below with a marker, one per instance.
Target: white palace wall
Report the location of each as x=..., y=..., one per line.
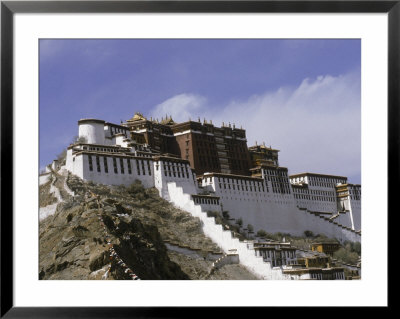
x=272, y=212
x=356, y=212
x=257, y=201
x=141, y=169
x=170, y=171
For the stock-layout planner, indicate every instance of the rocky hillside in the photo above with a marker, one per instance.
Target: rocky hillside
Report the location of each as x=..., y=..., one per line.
x=116, y=232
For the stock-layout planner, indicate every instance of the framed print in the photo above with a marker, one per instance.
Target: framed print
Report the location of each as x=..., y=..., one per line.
x=164, y=155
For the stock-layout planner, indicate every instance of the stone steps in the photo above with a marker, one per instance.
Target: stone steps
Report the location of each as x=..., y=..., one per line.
x=224, y=238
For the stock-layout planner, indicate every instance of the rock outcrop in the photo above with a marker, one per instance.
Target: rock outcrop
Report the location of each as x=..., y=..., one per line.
x=116, y=232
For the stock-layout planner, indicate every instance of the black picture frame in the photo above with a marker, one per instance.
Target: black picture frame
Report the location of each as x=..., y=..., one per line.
x=9, y=8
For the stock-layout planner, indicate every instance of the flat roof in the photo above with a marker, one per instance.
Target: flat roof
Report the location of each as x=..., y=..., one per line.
x=82, y=121
x=264, y=147
x=118, y=125
x=205, y=196
x=176, y=159
x=230, y=176
x=317, y=174
x=282, y=168
x=118, y=154
x=98, y=145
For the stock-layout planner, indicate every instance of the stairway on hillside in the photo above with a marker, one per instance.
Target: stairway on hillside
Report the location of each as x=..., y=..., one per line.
x=224, y=238
x=332, y=220
x=59, y=189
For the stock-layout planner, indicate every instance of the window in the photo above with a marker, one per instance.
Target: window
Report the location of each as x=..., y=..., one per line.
x=121, y=163
x=129, y=166
x=105, y=165
x=148, y=166
x=90, y=163
x=98, y=164
x=115, y=165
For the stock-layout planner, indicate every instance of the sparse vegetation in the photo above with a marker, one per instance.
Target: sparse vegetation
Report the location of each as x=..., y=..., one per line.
x=349, y=253
x=61, y=157
x=308, y=233
x=78, y=139
x=261, y=233
x=225, y=215
x=217, y=216
x=346, y=256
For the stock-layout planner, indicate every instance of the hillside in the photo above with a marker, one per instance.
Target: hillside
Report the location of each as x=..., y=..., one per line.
x=116, y=232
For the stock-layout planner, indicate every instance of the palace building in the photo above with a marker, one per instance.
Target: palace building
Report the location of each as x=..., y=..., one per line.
x=208, y=148
x=201, y=167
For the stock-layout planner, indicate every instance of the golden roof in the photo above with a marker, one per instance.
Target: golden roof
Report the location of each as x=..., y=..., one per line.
x=168, y=121
x=137, y=117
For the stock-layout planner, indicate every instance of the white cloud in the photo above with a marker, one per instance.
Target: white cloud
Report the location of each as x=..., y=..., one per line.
x=317, y=125
x=181, y=107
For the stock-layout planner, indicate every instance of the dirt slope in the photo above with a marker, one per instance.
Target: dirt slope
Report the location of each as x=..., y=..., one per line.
x=119, y=232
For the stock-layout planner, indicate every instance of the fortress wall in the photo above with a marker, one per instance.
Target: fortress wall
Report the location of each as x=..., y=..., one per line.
x=344, y=219
x=209, y=207
x=279, y=214
x=273, y=212
x=77, y=165
x=263, y=210
x=69, y=163
x=319, y=206
x=139, y=171
x=356, y=211
x=164, y=174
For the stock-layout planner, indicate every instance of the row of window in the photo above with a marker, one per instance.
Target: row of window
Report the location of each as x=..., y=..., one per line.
x=209, y=201
x=116, y=130
x=316, y=192
x=141, y=165
x=325, y=184
x=282, y=188
x=277, y=179
x=315, y=198
x=211, y=162
x=272, y=253
x=102, y=149
x=335, y=275
x=177, y=170
x=245, y=187
x=269, y=172
x=238, y=181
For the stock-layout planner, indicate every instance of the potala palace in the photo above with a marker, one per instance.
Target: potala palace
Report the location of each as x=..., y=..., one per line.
x=200, y=167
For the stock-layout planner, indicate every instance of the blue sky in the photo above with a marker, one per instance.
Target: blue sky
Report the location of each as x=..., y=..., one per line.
x=299, y=96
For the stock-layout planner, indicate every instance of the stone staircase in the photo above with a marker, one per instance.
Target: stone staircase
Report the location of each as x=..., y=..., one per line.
x=60, y=191
x=334, y=220
x=223, y=238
